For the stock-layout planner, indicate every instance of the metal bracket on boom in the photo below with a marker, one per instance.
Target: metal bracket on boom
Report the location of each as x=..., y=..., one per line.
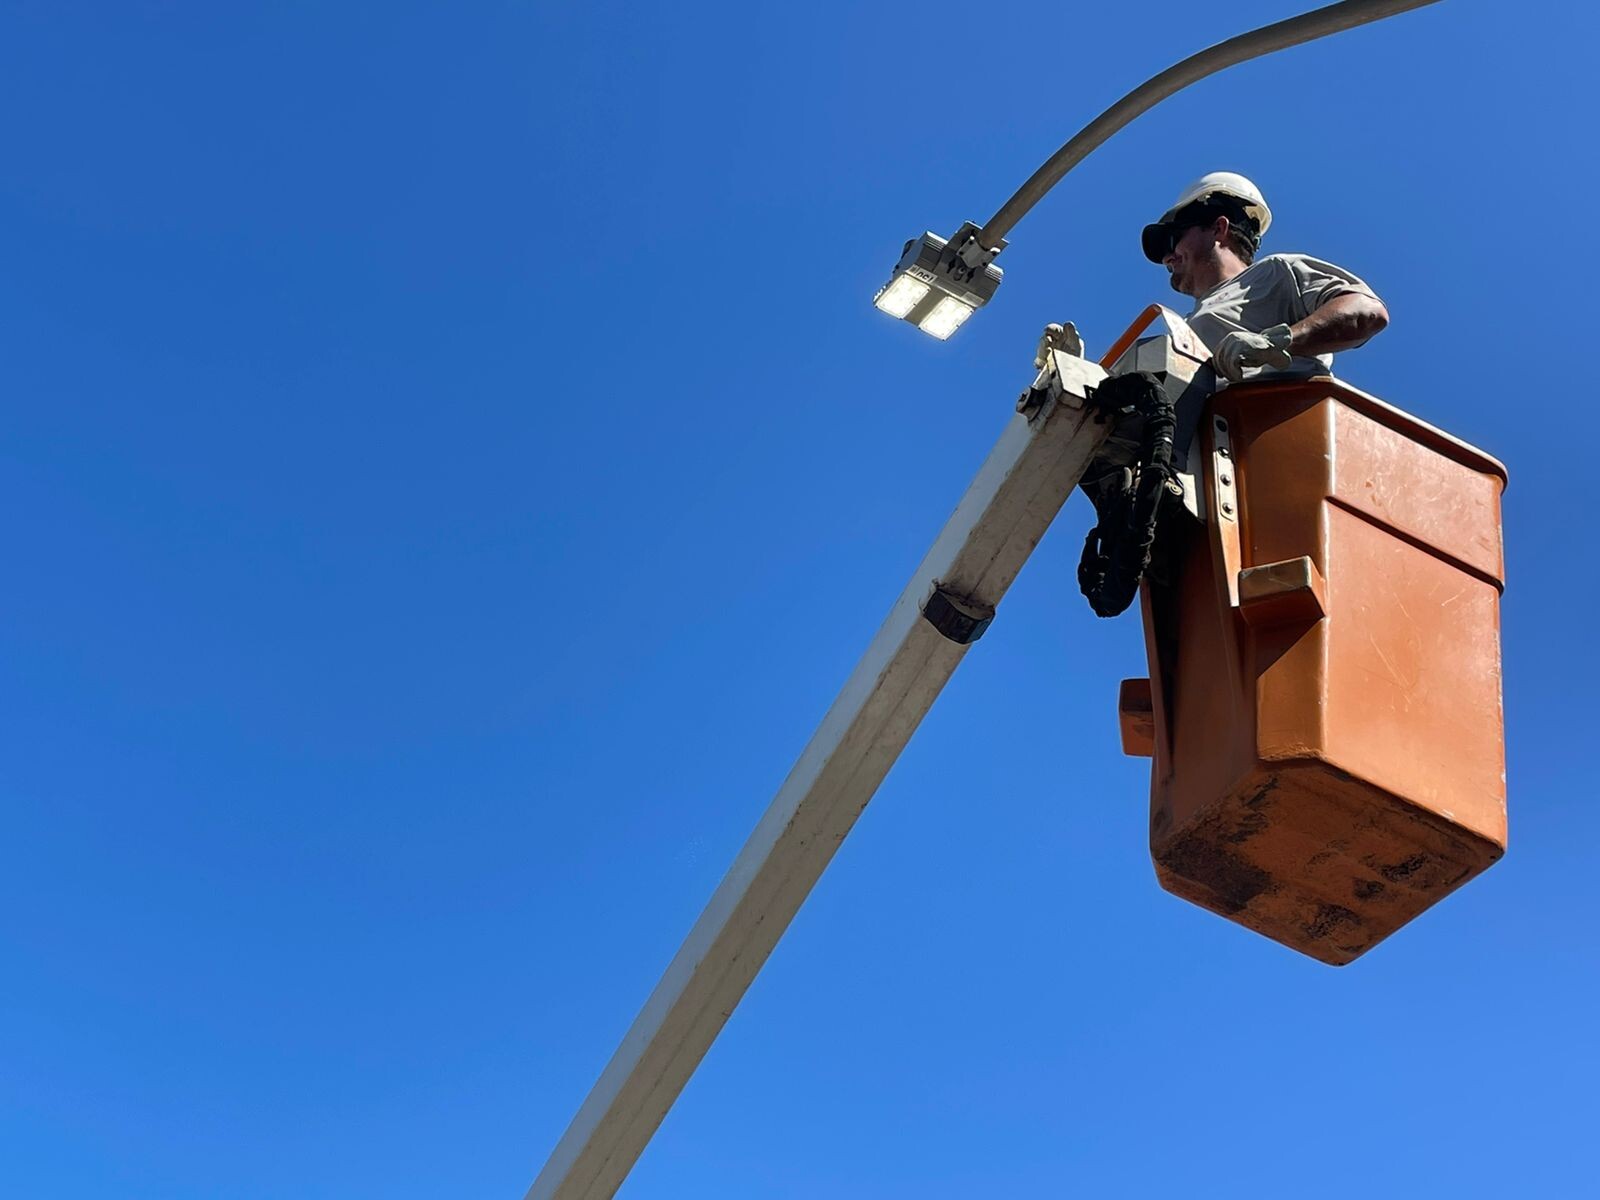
x=959, y=619
x=1176, y=356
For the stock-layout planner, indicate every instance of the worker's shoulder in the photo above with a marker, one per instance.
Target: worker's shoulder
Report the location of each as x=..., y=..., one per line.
x=1270, y=272
x=1283, y=260
x=1299, y=264
x=1273, y=264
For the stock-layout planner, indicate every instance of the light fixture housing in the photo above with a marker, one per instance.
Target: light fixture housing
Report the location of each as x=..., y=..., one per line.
x=938, y=284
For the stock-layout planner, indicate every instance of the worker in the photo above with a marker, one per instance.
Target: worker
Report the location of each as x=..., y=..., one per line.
x=1285, y=315
x=1282, y=316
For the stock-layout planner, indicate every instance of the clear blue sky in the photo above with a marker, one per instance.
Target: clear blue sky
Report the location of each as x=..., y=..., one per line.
x=450, y=462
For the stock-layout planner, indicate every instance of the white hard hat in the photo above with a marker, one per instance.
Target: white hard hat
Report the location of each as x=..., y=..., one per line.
x=1216, y=184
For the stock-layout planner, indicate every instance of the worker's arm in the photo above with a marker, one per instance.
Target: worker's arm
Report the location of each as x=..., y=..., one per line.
x=1340, y=323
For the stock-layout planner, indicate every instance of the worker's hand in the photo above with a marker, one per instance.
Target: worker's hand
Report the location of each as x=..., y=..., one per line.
x=1058, y=337
x=1236, y=351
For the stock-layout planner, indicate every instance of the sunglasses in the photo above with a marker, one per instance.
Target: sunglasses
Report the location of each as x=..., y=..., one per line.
x=1173, y=234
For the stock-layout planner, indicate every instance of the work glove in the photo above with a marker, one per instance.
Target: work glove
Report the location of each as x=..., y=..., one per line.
x=1055, y=337
x=1058, y=337
x=1236, y=351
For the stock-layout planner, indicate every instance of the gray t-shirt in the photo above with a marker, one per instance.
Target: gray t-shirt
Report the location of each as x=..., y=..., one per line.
x=1279, y=289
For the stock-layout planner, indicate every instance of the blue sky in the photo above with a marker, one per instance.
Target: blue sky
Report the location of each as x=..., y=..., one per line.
x=450, y=462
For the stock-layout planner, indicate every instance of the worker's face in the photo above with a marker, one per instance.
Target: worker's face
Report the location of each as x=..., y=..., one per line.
x=1195, y=248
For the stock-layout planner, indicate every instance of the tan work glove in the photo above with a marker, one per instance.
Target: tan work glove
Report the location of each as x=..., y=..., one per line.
x=1236, y=351
x=1058, y=337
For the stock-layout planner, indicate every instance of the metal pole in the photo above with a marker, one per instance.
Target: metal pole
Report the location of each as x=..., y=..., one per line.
x=1020, y=488
x=1258, y=42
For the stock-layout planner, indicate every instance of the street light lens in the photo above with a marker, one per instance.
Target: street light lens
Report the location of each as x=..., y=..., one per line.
x=901, y=296
x=946, y=318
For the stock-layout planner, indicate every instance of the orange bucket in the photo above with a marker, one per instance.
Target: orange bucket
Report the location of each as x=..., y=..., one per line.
x=1324, y=703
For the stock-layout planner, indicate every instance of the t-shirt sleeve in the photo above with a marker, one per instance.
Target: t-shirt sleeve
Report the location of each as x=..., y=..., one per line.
x=1317, y=282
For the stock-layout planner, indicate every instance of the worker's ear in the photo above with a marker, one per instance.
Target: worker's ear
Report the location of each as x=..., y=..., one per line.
x=1220, y=229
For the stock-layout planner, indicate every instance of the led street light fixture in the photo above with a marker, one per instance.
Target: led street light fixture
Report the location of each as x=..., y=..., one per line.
x=937, y=284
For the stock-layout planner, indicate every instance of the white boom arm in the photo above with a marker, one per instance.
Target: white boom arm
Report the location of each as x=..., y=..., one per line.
x=1017, y=493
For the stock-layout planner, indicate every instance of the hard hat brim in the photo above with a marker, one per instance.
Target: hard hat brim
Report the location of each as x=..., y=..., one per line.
x=1154, y=240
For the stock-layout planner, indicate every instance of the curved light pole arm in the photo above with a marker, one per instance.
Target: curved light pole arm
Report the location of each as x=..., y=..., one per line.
x=1279, y=36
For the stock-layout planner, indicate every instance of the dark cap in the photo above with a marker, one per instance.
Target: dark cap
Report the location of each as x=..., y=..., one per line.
x=1157, y=239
